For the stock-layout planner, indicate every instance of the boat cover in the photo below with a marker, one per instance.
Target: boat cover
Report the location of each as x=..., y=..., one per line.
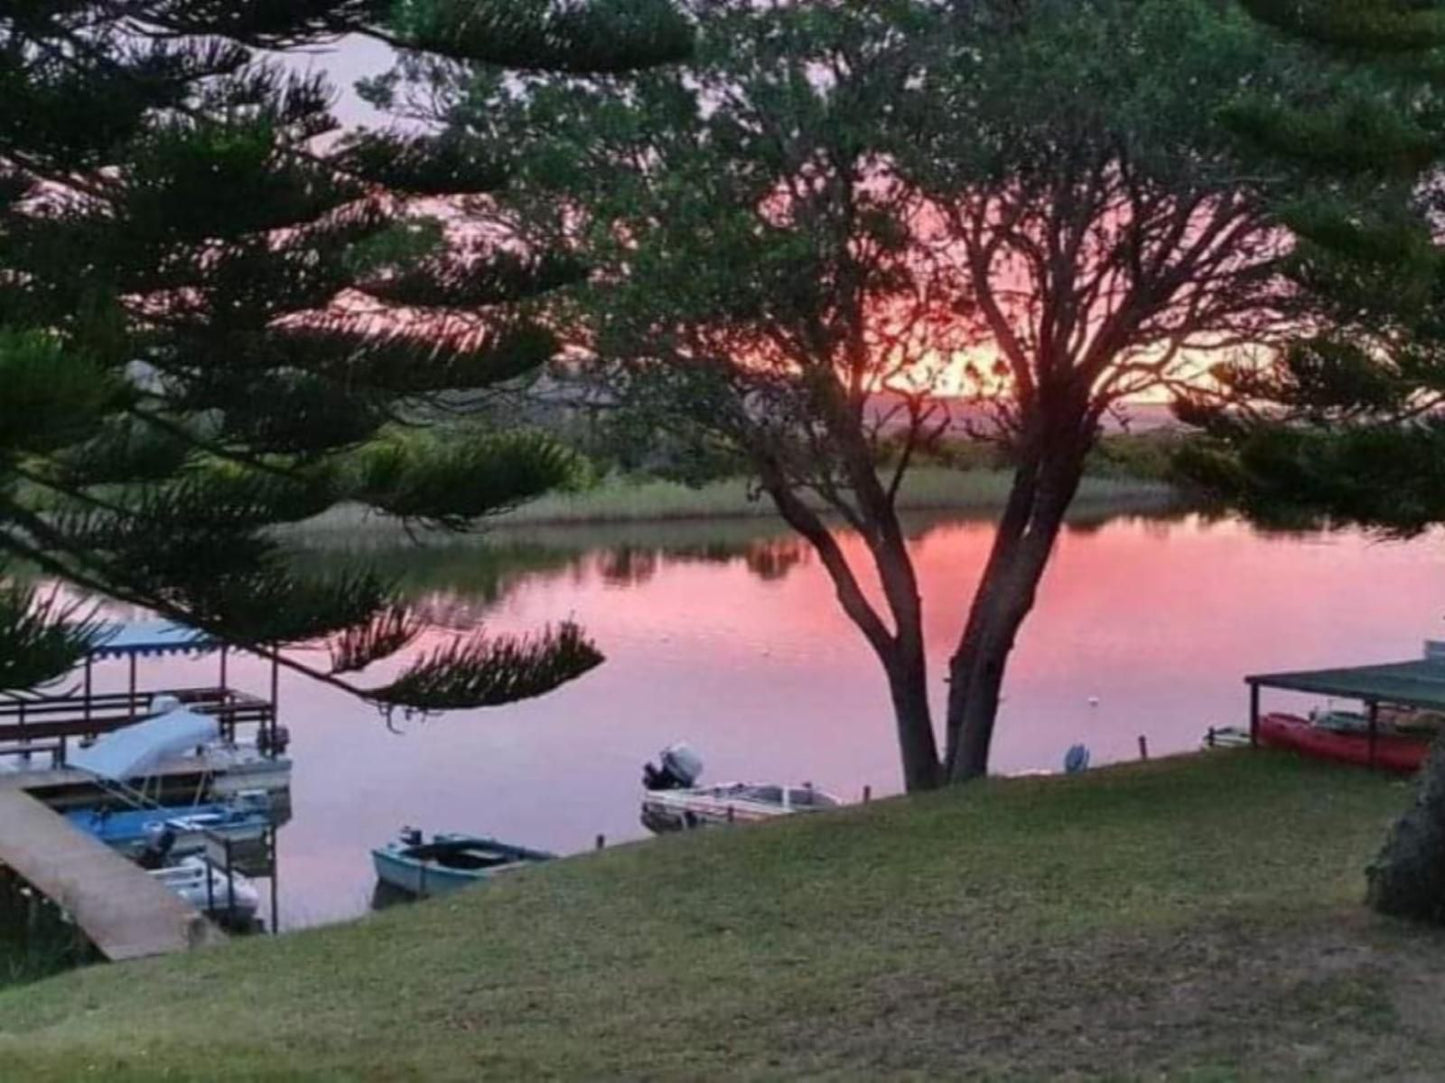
x=136, y=751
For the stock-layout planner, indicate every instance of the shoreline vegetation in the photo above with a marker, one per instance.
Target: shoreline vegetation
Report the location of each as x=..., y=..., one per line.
x=626, y=499
x=1127, y=473
x=1196, y=917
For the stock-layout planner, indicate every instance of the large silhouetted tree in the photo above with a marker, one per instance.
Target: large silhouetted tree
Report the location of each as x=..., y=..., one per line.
x=839, y=213
x=218, y=313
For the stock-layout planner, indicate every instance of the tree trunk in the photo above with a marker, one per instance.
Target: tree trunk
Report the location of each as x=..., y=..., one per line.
x=908, y=687
x=1004, y=599
x=1407, y=879
x=900, y=648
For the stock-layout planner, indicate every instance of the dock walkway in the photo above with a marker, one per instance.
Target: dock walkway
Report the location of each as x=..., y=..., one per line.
x=124, y=912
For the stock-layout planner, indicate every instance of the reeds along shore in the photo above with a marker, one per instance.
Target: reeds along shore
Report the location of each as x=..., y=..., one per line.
x=625, y=499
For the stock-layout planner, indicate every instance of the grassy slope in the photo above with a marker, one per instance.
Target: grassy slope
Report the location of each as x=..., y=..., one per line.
x=1196, y=918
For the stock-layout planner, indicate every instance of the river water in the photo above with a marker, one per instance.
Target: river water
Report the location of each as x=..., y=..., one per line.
x=726, y=635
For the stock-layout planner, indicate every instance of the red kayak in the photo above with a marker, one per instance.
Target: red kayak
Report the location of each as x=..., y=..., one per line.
x=1393, y=751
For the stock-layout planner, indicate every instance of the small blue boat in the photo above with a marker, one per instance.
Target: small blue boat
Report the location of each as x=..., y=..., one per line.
x=447, y=862
x=185, y=828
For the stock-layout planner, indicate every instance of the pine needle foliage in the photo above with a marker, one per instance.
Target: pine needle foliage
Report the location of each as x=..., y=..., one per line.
x=213, y=320
x=41, y=636
x=487, y=671
x=1344, y=424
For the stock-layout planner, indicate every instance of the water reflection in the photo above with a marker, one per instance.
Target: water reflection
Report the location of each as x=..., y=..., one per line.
x=728, y=635
x=456, y=579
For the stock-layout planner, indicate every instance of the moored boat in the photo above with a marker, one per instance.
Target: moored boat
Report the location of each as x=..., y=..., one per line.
x=232, y=898
x=1393, y=751
x=673, y=802
x=447, y=862
x=182, y=830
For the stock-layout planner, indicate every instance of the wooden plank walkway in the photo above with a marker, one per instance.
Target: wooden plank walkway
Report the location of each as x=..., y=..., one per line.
x=124, y=912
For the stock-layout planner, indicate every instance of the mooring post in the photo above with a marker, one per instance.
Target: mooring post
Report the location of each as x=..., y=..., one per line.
x=1143, y=747
x=230, y=886
x=275, y=695
x=275, y=889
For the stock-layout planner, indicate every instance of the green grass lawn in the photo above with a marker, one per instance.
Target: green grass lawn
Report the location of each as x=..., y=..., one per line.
x=1196, y=919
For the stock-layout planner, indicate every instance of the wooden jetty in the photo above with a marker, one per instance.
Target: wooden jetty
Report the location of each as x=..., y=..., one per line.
x=124, y=912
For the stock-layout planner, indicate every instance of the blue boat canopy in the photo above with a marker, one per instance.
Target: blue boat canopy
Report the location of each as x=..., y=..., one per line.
x=146, y=638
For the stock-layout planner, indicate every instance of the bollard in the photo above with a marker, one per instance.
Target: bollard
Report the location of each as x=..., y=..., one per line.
x=867, y=794
x=601, y=842
x=1143, y=747
x=732, y=813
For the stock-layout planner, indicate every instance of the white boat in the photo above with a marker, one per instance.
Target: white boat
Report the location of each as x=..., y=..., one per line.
x=673, y=802
x=1226, y=737
x=137, y=751
x=209, y=890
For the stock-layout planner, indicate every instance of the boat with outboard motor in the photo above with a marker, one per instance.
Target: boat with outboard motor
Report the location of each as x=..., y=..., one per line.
x=449, y=861
x=176, y=830
x=672, y=800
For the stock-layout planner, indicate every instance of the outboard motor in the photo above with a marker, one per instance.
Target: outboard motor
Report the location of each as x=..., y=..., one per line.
x=160, y=840
x=678, y=768
x=1076, y=760
x=273, y=741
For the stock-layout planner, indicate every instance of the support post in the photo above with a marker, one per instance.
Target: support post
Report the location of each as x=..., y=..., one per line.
x=275, y=696
x=275, y=892
x=230, y=886
x=89, y=683
x=1374, y=730
x=1254, y=716
x=132, y=686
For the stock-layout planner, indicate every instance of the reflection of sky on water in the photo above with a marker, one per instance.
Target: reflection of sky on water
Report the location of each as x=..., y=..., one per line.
x=740, y=648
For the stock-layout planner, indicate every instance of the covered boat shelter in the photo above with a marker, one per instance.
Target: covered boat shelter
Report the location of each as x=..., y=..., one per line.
x=33, y=721
x=1419, y=683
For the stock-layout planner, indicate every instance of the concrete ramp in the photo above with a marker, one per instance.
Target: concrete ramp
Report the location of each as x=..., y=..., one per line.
x=125, y=913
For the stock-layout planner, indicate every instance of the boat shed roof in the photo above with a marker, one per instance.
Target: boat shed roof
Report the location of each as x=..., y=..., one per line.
x=151, y=637
x=1419, y=683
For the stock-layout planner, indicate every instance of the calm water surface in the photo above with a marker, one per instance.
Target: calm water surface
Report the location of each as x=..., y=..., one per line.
x=727, y=635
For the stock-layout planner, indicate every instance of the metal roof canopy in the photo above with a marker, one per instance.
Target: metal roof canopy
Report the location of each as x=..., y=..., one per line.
x=1418, y=683
x=151, y=637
